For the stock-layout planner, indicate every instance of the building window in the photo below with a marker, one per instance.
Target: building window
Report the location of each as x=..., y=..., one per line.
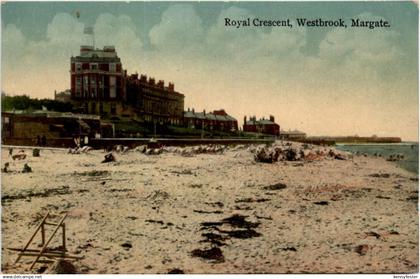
x=112, y=87
x=78, y=67
x=85, y=86
x=112, y=67
x=78, y=86
x=93, y=66
x=94, y=92
x=93, y=108
x=93, y=81
x=101, y=93
x=113, y=109
x=101, y=108
x=93, y=86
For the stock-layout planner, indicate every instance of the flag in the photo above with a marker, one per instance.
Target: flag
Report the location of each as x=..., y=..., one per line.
x=88, y=30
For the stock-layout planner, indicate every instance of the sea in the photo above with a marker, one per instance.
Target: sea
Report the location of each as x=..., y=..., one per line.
x=410, y=150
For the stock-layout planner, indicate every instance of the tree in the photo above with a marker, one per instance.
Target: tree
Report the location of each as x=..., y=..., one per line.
x=24, y=102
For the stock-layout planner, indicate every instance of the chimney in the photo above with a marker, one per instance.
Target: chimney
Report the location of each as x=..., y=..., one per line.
x=143, y=78
x=271, y=118
x=188, y=109
x=151, y=81
x=245, y=119
x=55, y=93
x=171, y=87
x=204, y=112
x=193, y=110
x=161, y=83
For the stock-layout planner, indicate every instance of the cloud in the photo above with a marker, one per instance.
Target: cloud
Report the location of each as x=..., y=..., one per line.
x=119, y=31
x=229, y=42
x=180, y=29
x=362, y=51
x=64, y=30
x=33, y=67
x=13, y=45
x=63, y=37
x=49, y=59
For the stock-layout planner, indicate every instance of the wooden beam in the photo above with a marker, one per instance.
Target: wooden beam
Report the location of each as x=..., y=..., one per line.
x=64, y=236
x=32, y=237
x=51, y=255
x=37, y=250
x=48, y=241
x=43, y=234
x=50, y=224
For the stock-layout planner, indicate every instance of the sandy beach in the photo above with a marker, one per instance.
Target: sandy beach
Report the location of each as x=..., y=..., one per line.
x=215, y=213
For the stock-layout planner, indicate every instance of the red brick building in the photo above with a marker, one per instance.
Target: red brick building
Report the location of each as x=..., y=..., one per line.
x=153, y=101
x=263, y=126
x=217, y=120
x=100, y=86
x=97, y=80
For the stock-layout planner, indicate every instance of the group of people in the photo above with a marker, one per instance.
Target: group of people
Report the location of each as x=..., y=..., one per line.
x=79, y=142
x=81, y=145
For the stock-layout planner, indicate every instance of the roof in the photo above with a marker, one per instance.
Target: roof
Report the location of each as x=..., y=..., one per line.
x=188, y=114
x=208, y=116
x=260, y=122
x=266, y=122
x=88, y=54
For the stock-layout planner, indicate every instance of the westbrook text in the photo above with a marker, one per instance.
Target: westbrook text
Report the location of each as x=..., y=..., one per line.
x=305, y=22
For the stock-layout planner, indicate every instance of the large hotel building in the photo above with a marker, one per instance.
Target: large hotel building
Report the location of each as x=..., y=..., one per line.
x=99, y=85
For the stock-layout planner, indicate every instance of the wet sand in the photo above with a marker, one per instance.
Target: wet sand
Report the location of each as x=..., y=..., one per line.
x=215, y=213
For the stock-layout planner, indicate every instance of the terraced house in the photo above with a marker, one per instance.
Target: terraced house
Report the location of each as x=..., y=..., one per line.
x=217, y=120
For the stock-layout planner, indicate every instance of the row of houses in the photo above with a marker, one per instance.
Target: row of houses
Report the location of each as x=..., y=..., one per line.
x=28, y=124
x=100, y=86
x=101, y=92
x=217, y=120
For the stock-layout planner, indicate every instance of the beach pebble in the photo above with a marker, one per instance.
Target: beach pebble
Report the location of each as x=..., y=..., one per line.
x=127, y=245
x=361, y=249
x=62, y=267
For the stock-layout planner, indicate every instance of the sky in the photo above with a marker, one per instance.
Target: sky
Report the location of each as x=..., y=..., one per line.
x=323, y=81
